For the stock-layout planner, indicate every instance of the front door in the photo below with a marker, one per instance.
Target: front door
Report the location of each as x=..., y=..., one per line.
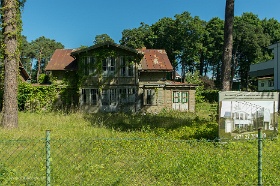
x=180, y=100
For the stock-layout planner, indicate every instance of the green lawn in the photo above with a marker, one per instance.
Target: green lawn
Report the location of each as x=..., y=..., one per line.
x=131, y=149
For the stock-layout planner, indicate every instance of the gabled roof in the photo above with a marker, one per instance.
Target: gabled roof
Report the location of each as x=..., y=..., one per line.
x=151, y=59
x=155, y=60
x=107, y=44
x=61, y=60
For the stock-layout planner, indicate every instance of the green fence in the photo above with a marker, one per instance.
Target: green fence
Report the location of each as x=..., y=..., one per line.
x=110, y=161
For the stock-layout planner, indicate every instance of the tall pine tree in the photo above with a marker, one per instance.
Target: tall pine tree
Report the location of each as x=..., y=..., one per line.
x=11, y=27
x=228, y=44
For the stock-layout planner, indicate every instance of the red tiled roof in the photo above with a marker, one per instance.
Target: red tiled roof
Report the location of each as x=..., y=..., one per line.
x=154, y=60
x=61, y=60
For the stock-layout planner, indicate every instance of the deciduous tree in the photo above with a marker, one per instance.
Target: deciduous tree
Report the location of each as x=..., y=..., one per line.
x=41, y=50
x=102, y=38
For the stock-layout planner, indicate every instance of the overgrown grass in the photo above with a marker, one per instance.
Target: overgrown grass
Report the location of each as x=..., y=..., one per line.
x=131, y=149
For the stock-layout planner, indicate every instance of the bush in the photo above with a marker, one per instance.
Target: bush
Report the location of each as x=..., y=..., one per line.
x=210, y=96
x=44, y=79
x=36, y=98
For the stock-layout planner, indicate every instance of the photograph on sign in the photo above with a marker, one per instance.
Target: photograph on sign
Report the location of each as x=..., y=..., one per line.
x=243, y=113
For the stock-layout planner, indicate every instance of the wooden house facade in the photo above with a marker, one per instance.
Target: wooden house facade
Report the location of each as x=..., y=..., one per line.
x=114, y=78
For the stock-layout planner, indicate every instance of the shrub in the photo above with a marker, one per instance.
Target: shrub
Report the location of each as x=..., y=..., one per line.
x=211, y=96
x=36, y=98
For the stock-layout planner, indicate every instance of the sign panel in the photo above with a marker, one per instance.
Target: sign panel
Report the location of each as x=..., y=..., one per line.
x=241, y=114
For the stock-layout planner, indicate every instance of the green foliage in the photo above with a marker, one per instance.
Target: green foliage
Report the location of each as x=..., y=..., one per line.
x=138, y=37
x=5, y=175
x=103, y=38
x=36, y=98
x=41, y=50
x=194, y=78
x=84, y=152
x=166, y=124
x=250, y=45
x=44, y=79
x=69, y=92
x=211, y=96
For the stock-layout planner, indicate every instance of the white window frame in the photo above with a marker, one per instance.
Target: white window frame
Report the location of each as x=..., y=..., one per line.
x=109, y=66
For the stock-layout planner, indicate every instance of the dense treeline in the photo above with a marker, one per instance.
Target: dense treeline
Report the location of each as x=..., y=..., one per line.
x=193, y=44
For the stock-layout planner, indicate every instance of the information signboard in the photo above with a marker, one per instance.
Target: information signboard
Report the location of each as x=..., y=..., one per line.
x=241, y=114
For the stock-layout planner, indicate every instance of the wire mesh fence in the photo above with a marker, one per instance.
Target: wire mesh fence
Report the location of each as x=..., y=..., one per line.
x=136, y=161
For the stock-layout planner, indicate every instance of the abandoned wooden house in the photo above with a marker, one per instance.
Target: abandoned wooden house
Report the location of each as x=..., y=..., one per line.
x=117, y=78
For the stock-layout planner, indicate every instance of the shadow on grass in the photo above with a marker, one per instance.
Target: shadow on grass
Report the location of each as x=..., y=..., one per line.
x=165, y=120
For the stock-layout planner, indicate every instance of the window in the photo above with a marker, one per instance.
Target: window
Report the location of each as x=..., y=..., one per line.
x=89, y=65
x=92, y=68
x=262, y=84
x=130, y=70
x=184, y=97
x=122, y=67
x=180, y=97
x=109, y=66
x=93, y=96
x=237, y=115
x=131, y=95
x=105, y=97
x=113, y=96
x=84, y=96
x=90, y=96
x=271, y=83
x=127, y=95
x=125, y=68
x=176, y=97
x=109, y=97
x=86, y=68
x=241, y=116
x=150, y=96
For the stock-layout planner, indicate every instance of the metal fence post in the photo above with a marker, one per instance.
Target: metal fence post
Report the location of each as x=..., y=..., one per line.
x=260, y=140
x=48, y=158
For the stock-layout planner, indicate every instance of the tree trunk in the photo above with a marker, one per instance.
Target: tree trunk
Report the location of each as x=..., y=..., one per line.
x=11, y=62
x=228, y=42
x=39, y=65
x=201, y=64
